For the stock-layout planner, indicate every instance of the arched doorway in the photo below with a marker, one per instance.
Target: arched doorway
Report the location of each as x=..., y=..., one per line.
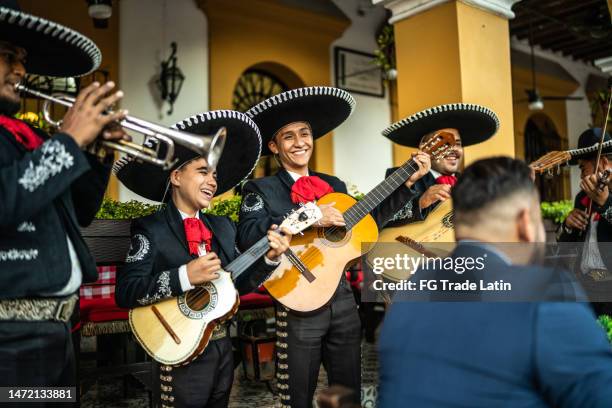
x=256, y=84
x=541, y=137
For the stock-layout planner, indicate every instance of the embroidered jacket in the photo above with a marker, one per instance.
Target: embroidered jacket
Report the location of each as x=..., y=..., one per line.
x=45, y=195
x=159, y=247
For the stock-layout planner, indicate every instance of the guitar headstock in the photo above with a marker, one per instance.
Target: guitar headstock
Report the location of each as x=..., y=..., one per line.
x=550, y=160
x=439, y=145
x=302, y=218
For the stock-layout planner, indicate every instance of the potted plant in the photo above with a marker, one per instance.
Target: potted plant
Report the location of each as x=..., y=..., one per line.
x=554, y=214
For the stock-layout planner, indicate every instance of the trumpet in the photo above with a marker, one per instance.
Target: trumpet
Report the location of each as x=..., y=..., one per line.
x=208, y=146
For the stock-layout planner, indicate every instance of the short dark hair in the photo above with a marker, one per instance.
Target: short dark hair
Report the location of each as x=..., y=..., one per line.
x=488, y=180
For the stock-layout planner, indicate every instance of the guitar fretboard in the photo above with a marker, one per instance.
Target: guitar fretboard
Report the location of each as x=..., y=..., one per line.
x=378, y=194
x=248, y=258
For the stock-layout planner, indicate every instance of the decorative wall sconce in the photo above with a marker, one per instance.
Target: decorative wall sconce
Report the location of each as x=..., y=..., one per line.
x=171, y=79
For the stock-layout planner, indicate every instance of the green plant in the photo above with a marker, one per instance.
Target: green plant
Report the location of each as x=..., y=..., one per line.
x=34, y=119
x=385, y=53
x=606, y=323
x=230, y=207
x=556, y=211
x=116, y=210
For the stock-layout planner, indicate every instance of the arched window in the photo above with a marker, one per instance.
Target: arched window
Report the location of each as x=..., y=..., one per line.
x=254, y=86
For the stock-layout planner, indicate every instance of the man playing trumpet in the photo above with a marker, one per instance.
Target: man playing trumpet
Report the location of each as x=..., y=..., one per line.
x=49, y=187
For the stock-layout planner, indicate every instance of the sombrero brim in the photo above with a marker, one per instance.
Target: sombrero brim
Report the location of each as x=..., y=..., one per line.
x=240, y=155
x=323, y=107
x=53, y=49
x=589, y=152
x=475, y=124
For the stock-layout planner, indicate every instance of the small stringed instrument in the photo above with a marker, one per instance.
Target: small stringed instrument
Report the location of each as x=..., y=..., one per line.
x=175, y=331
x=437, y=228
x=310, y=271
x=556, y=159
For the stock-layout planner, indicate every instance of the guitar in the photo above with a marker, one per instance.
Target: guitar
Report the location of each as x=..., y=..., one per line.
x=556, y=159
x=311, y=269
x=175, y=331
x=437, y=228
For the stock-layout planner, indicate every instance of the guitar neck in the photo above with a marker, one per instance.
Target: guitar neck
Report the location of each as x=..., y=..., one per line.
x=363, y=207
x=248, y=258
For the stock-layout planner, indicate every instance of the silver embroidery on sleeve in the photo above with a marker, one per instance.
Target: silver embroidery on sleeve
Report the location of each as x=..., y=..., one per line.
x=252, y=202
x=608, y=215
x=140, y=250
x=163, y=290
x=26, y=226
x=404, y=213
x=19, y=255
x=54, y=159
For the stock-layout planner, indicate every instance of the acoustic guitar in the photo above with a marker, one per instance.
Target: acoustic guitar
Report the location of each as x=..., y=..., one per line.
x=175, y=331
x=432, y=237
x=310, y=271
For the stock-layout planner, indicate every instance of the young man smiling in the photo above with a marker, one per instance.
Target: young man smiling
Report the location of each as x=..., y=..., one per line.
x=290, y=122
x=179, y=247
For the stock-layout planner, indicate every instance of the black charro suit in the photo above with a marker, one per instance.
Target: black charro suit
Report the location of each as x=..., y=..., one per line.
x=150, y=274
x=46, y=194
x=331, y=335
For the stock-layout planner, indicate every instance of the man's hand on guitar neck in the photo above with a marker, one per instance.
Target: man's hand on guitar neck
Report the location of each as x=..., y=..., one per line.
x=279, y=243
x=204, y=269
x=424, y=165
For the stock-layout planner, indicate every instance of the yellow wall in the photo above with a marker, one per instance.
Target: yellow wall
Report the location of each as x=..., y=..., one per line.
x=73, y=14
x=244, y=33
x=456, y=53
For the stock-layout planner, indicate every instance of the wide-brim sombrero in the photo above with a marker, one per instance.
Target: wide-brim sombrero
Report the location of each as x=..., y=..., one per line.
x=588, y=145
x=475, y=124
x=52, y=49
x=239, y=158
x=323, y=107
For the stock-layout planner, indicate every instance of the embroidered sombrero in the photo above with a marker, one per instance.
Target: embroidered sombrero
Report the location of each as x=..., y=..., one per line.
x=52, y=49
x=323, y=107
x=588, y=145
x=239, y=157
x=475, y=124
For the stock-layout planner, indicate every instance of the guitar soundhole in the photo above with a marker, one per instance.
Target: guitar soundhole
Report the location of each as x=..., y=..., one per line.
x=334, y=234
x=197, y=299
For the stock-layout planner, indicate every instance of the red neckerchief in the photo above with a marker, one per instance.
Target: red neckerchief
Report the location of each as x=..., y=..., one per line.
x=196, y=232
x=450, y=180
x=309, y=188
x=586, y=202
x=22, y=132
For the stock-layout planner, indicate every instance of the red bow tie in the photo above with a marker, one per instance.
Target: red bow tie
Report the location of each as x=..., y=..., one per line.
x=196, y=232
x=309, y=188
x=586, y=202
x=22, y=132
x=450, y=180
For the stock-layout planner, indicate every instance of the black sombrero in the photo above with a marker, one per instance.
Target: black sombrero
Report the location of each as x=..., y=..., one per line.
x=239, y=157
x=475, y=124
x=53, y=49
x=588, y=145
x=323, y=107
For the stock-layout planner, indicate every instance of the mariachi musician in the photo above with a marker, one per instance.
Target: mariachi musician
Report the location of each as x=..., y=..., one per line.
x=594, y=229
x=50, y=186
x=290, y=122
x=180, y=247
x=469, y=123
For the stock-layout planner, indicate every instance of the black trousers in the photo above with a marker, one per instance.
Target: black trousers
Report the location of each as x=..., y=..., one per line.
x=206, y=381
x=332, y=336
x=36, y=354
